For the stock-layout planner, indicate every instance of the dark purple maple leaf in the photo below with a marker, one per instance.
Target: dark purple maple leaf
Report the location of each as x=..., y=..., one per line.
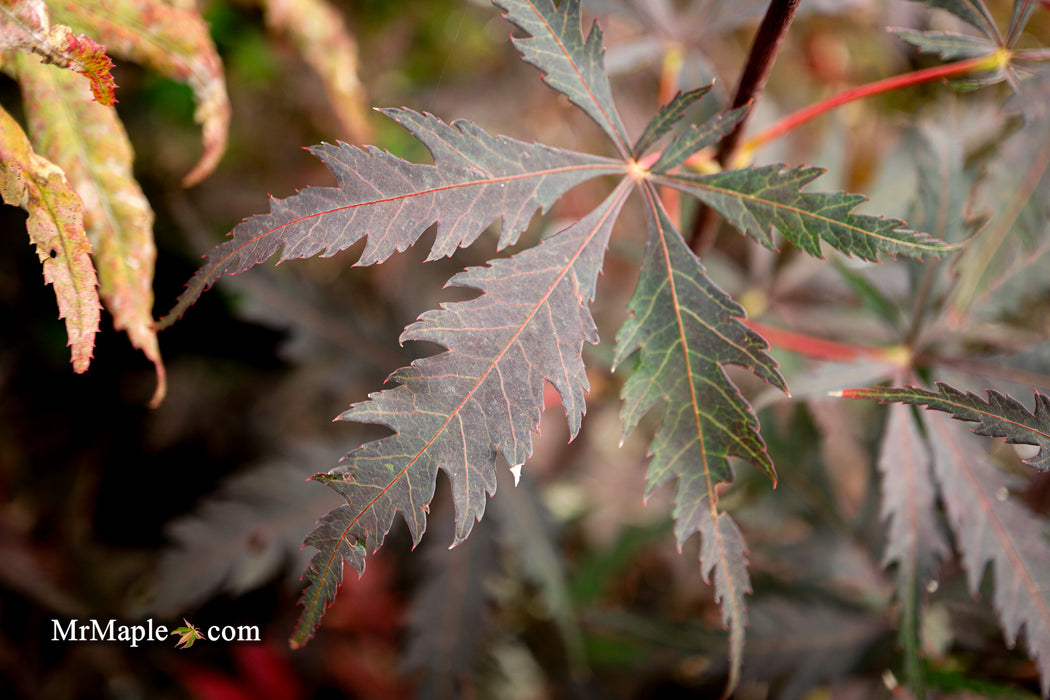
x=481, y=399
x=998, y=416
x=458, y=410
x=476, y=178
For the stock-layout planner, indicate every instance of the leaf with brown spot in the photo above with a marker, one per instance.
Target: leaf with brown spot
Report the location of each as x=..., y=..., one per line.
x=56, y=228
x=87, y=140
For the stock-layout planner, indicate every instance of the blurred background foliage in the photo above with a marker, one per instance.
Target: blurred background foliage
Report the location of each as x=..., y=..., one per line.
x=573, y=588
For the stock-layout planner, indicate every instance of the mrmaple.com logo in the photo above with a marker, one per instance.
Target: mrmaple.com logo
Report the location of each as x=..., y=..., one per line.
x=112, y=631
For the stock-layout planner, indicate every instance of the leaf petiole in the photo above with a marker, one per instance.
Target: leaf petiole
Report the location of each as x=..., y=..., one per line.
x=979, y=64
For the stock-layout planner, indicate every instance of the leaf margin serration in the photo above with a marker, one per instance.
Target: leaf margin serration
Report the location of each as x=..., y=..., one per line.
x=723, y=549
x=757, y=200
x=351, y=532
x=993, y=415
x=993, y=529
x=571, y=64
x=293, y=227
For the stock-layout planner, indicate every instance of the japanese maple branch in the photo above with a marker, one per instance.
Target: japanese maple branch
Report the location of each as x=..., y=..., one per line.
x=759, y=62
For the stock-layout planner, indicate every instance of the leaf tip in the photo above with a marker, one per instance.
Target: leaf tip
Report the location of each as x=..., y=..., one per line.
x=161, y=389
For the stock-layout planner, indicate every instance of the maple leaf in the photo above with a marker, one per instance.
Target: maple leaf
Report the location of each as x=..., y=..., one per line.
x=987, y=523
x=973, y=12
x=458, y=410
x=666, y=119
x=450, y=613
x=241, y=535
x=915, y=541
x=1008, y=255
x=89, y=58
x=188, y=634
x=757, y=200
x=25, y=26
x=481, y=399
x=475, y=179
x=988, y=526
x=948, y=45
x=172, y=40
x=319, y=32
x=56, y=228
x=998, y=416
x=89, y=143
x=572, y=65
x=685, y=329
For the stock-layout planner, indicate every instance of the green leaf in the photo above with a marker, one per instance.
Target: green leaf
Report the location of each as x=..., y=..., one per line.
x=475, y=179
x=666, y=118
x=973, y=12
x=87, y=140
x=56, y=228
x=459, y=410
x=685, y=329
x=757, y=200
x=697, y=137
x=572, y=65
x=948, y=45
x=998, y=416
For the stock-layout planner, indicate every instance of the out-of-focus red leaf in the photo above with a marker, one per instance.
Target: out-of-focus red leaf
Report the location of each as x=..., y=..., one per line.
x=267, y=671
x=991, y=528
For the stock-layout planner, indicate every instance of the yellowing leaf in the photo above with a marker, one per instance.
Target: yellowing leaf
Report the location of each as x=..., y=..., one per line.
x=88, y=142
x=24, y=27
x=172, y=41
x=321, y=36
x=56, y=227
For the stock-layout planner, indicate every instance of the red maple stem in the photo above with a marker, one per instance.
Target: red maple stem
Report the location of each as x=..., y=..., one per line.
x=812, y=346
x=796, y=119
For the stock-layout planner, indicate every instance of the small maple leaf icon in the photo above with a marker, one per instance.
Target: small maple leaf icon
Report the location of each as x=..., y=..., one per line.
x=188, y=634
